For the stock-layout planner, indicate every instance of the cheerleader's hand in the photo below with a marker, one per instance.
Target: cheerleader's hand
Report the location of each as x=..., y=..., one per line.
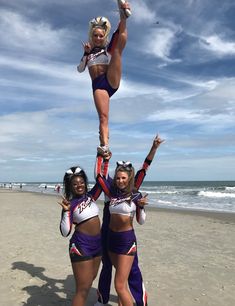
x=65, y=204
x=143, y=201
x=87, y=47
x=157, y=141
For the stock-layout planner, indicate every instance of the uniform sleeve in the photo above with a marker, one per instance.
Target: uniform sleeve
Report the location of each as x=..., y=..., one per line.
x=82, y=66
x=95, y=191
x=65, y=223
x=101, y=166
x=101, y=175
x=140, y=175
x=105, y=168
x=98, y=166
x=140, y=215
x=140, y=211
x=105, y=184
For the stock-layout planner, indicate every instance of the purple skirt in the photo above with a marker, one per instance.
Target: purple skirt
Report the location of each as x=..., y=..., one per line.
x=122, y=242
x=84, y=247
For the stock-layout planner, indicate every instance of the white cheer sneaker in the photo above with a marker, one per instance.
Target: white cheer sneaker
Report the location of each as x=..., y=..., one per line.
x=124, y=12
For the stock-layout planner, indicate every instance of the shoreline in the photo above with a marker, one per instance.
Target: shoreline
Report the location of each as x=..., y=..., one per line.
x=180, y=210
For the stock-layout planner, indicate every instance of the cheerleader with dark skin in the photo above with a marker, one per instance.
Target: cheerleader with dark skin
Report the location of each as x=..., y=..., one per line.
x=79, y=208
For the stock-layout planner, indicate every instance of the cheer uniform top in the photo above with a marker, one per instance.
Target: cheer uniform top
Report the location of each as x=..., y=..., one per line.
x=122, y=242
x=119, y=202
x=97, y=56
x=100, y=56
x=116, y=202
x=84, y=207
x=82, y=246
x=135, y=279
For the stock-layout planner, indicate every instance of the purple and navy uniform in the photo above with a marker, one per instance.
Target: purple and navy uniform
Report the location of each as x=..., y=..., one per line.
x=100, y=56
x=135, y=279
x=82, y=246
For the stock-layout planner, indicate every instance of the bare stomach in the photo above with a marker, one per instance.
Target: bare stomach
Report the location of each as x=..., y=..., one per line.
x=97, y=70
x=120, y=223
x=90, y=227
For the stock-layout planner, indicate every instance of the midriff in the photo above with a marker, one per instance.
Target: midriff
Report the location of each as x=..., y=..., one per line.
x=97, y=70
x=120, y=223
x=89, y=227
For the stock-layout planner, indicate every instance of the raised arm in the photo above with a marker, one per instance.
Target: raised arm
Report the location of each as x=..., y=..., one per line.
x=156, y=144
x=101, y=170
x=102, y=164
x=140, y=175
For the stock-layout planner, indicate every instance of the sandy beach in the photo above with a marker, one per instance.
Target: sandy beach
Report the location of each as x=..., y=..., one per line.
x=187, y=258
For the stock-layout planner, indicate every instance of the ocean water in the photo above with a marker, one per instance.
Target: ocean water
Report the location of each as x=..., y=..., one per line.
x=199, y=195
x=203, y=195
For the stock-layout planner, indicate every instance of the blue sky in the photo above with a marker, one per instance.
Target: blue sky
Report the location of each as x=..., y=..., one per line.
x=178, y=81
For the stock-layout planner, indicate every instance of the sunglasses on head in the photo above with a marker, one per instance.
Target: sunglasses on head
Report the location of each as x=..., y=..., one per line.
x=75, y=171
x=124, y=164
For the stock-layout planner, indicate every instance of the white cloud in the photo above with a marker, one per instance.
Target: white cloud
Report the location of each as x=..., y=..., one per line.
x=46, y=133
x=35, y=68
x=46, y=77
x=203, y=118
x=212, y=109
x=218, y=46
x=132, y=89
x=40, y=66
x=160, y=42
x=29, y=37
x=142, y=13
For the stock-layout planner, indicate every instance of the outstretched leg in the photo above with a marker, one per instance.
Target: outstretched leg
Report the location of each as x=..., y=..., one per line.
x=115, y=66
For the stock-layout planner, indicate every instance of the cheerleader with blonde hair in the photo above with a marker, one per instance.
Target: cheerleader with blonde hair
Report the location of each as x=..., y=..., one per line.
x=104, y=61
x=102, y=23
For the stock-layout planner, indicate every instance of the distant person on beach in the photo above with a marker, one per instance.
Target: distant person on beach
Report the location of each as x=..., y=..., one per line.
x=118, y=237
x=57, y=188
x=79, y=208
x=104, y=63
